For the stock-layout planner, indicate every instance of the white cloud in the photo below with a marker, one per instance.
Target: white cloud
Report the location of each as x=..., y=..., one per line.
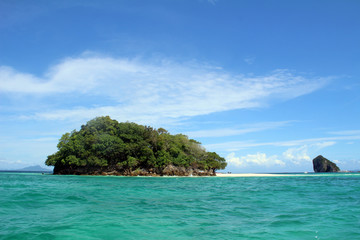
x=321, y=145
x=337, y=161
x=297, y=155
x=302, y=154
x=240, y=145
x=249, y=60
x=346, y=132
x=11, y=162
x=237, y=161
x=279, y=162
x=151, y=90
x=213, y=2
x=224, y=132
x=259, y=159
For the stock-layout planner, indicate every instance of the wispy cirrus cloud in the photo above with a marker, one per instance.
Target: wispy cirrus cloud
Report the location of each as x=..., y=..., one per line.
x=250, y=60
x=240, y=145
x=136, y=89
x=225, y=132
x=213, y=2
x=346, y=132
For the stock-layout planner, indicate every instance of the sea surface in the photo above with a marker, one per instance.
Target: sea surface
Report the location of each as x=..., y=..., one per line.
x=300, y=206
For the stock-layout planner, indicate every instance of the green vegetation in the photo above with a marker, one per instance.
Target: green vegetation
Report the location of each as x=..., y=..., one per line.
x=108, y=145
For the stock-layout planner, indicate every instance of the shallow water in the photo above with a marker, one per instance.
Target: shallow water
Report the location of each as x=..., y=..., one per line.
x=35, y=206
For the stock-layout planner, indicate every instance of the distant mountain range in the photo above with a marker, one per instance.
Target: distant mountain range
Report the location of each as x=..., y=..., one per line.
x=35, y=168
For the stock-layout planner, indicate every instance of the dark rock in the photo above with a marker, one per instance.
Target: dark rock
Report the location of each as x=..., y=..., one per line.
x=169, y=170
x=321, y=164
x=172, y=170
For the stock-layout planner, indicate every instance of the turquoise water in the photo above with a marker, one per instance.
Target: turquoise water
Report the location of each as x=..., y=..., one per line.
x=35, y=206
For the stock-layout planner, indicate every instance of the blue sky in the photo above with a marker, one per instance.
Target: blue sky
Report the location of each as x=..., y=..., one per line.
x=269, y=85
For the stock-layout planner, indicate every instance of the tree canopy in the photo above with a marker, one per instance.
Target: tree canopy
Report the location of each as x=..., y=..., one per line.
x=126, y=146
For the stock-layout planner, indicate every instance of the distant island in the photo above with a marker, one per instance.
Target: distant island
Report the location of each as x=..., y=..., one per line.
x=35, y=168
x=106, y=147
x=321, y=164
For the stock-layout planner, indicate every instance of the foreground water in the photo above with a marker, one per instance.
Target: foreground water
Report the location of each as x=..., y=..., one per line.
x=36, y=206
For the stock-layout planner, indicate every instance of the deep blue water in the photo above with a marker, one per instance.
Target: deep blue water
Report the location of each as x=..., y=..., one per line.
x=36, y=206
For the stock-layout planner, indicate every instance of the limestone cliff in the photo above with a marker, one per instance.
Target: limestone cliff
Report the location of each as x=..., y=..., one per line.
x=321, y=164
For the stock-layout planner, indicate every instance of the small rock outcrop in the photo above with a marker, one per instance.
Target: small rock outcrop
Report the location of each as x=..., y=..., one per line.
x=321, y=164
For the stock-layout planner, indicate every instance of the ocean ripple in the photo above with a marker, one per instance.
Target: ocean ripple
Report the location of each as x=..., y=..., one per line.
x=35, y=206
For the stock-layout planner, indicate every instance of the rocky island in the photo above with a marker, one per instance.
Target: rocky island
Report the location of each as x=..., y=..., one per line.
x=106, y=147
x=321, y=164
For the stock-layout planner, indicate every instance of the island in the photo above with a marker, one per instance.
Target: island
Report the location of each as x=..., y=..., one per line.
x=321, y=164
x=104, y=146
x=35, y=168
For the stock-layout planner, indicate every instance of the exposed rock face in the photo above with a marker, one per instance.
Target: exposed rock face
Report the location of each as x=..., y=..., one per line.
x=321, y=164
x=169, y=170
x=172, y=170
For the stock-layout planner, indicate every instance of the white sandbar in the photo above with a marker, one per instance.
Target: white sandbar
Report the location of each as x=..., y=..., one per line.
x=249, y=175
